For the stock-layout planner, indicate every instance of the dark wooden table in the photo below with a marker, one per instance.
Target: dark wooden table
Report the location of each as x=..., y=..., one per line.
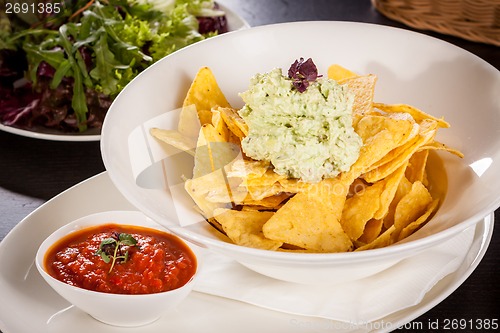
x=33, y=171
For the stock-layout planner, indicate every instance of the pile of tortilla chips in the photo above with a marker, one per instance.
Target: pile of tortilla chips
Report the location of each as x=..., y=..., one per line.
x=384, y=197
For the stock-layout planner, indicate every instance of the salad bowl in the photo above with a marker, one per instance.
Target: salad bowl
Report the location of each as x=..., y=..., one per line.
x=47, y=111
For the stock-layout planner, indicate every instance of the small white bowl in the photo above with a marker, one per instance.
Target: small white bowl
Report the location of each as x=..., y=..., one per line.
x=113, y=309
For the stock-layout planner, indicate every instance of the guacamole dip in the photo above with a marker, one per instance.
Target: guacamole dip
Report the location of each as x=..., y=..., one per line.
x=306, y=135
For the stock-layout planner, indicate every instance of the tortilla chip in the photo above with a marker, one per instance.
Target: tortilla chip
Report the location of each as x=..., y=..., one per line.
x=192, y=187
x=273, y=201
x=413, y=226
x=175, y=139
x=404, y=187
x=380, y=135
x=372, y=231
x=385, y=239
x=417, y=114
x=363, y=89
x=338, y=73
x=412, y=205
x=220, y=151
x=267, y=179
x=293, y=185
x=402, y=154
x=245, y=228
x=220, y=126
x=189, y=123
x=261, y=192
x=311, y=219
x=246, y=168
x=361, y=208
x=416, y=166
x=435, y=145
x=205, y=94
x=391, y=184
x=234, y=122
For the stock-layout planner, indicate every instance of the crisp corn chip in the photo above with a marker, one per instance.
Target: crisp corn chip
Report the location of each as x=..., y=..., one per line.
x=273, y=201
x=410, y=228
x=261, y=192
x=219, y=125
x=385, y=239
x=214, y=223
x=360, y=208
x=234, y=122
x=391, y=186
x=402, y=154
x=206, y=207
x=244, y=168
x=245, y=227
x=404, y=187
x=380, y=135
x=293, y=185
x=441, y=146
x=372, y=231
x=214, y=187
x=175, y=139
x=357, y=186
x=267, y=179
x=205, y=94
x=310, y=219
x=220, y=151
x=412, y=205
x=363, y=89
x=337, y=72
x=202, y=159
x=417, y=114
x=405, y=141
x=189, y=122
x=227, y=196
x=232, y=193
x=416, y=166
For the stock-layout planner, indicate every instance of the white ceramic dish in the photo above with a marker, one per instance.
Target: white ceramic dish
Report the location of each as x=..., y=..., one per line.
x=34, y=307
x=235, y=22
x=412, y=68
x=113, y=309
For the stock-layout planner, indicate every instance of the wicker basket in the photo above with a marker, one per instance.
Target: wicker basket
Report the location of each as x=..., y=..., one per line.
x=475, y=20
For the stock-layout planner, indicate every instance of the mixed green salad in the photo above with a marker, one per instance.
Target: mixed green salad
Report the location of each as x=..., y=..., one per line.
x=62, y=68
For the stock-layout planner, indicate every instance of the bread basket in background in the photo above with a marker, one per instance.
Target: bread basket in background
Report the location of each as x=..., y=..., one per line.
x=474, y=20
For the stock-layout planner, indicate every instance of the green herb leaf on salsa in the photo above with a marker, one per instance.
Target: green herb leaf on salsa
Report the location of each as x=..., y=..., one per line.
x=110, y=249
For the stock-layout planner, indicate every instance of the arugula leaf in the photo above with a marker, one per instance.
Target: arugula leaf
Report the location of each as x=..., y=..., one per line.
x=78, y=102
x=62, y=70
x=104, y=67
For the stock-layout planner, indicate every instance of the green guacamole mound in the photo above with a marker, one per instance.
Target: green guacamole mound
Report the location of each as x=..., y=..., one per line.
x=305, y=135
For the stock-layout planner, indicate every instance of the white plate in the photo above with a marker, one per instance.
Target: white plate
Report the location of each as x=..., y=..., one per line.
x=34, y=307
x=235, y=22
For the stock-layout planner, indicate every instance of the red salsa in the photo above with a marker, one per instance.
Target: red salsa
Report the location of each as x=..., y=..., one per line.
x=158, y=262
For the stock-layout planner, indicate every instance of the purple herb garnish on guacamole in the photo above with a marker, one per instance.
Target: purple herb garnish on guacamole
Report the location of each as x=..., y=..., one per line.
x=302, y=73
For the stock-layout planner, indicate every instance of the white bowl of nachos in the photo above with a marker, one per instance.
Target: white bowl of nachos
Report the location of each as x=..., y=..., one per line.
x=424, y=169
